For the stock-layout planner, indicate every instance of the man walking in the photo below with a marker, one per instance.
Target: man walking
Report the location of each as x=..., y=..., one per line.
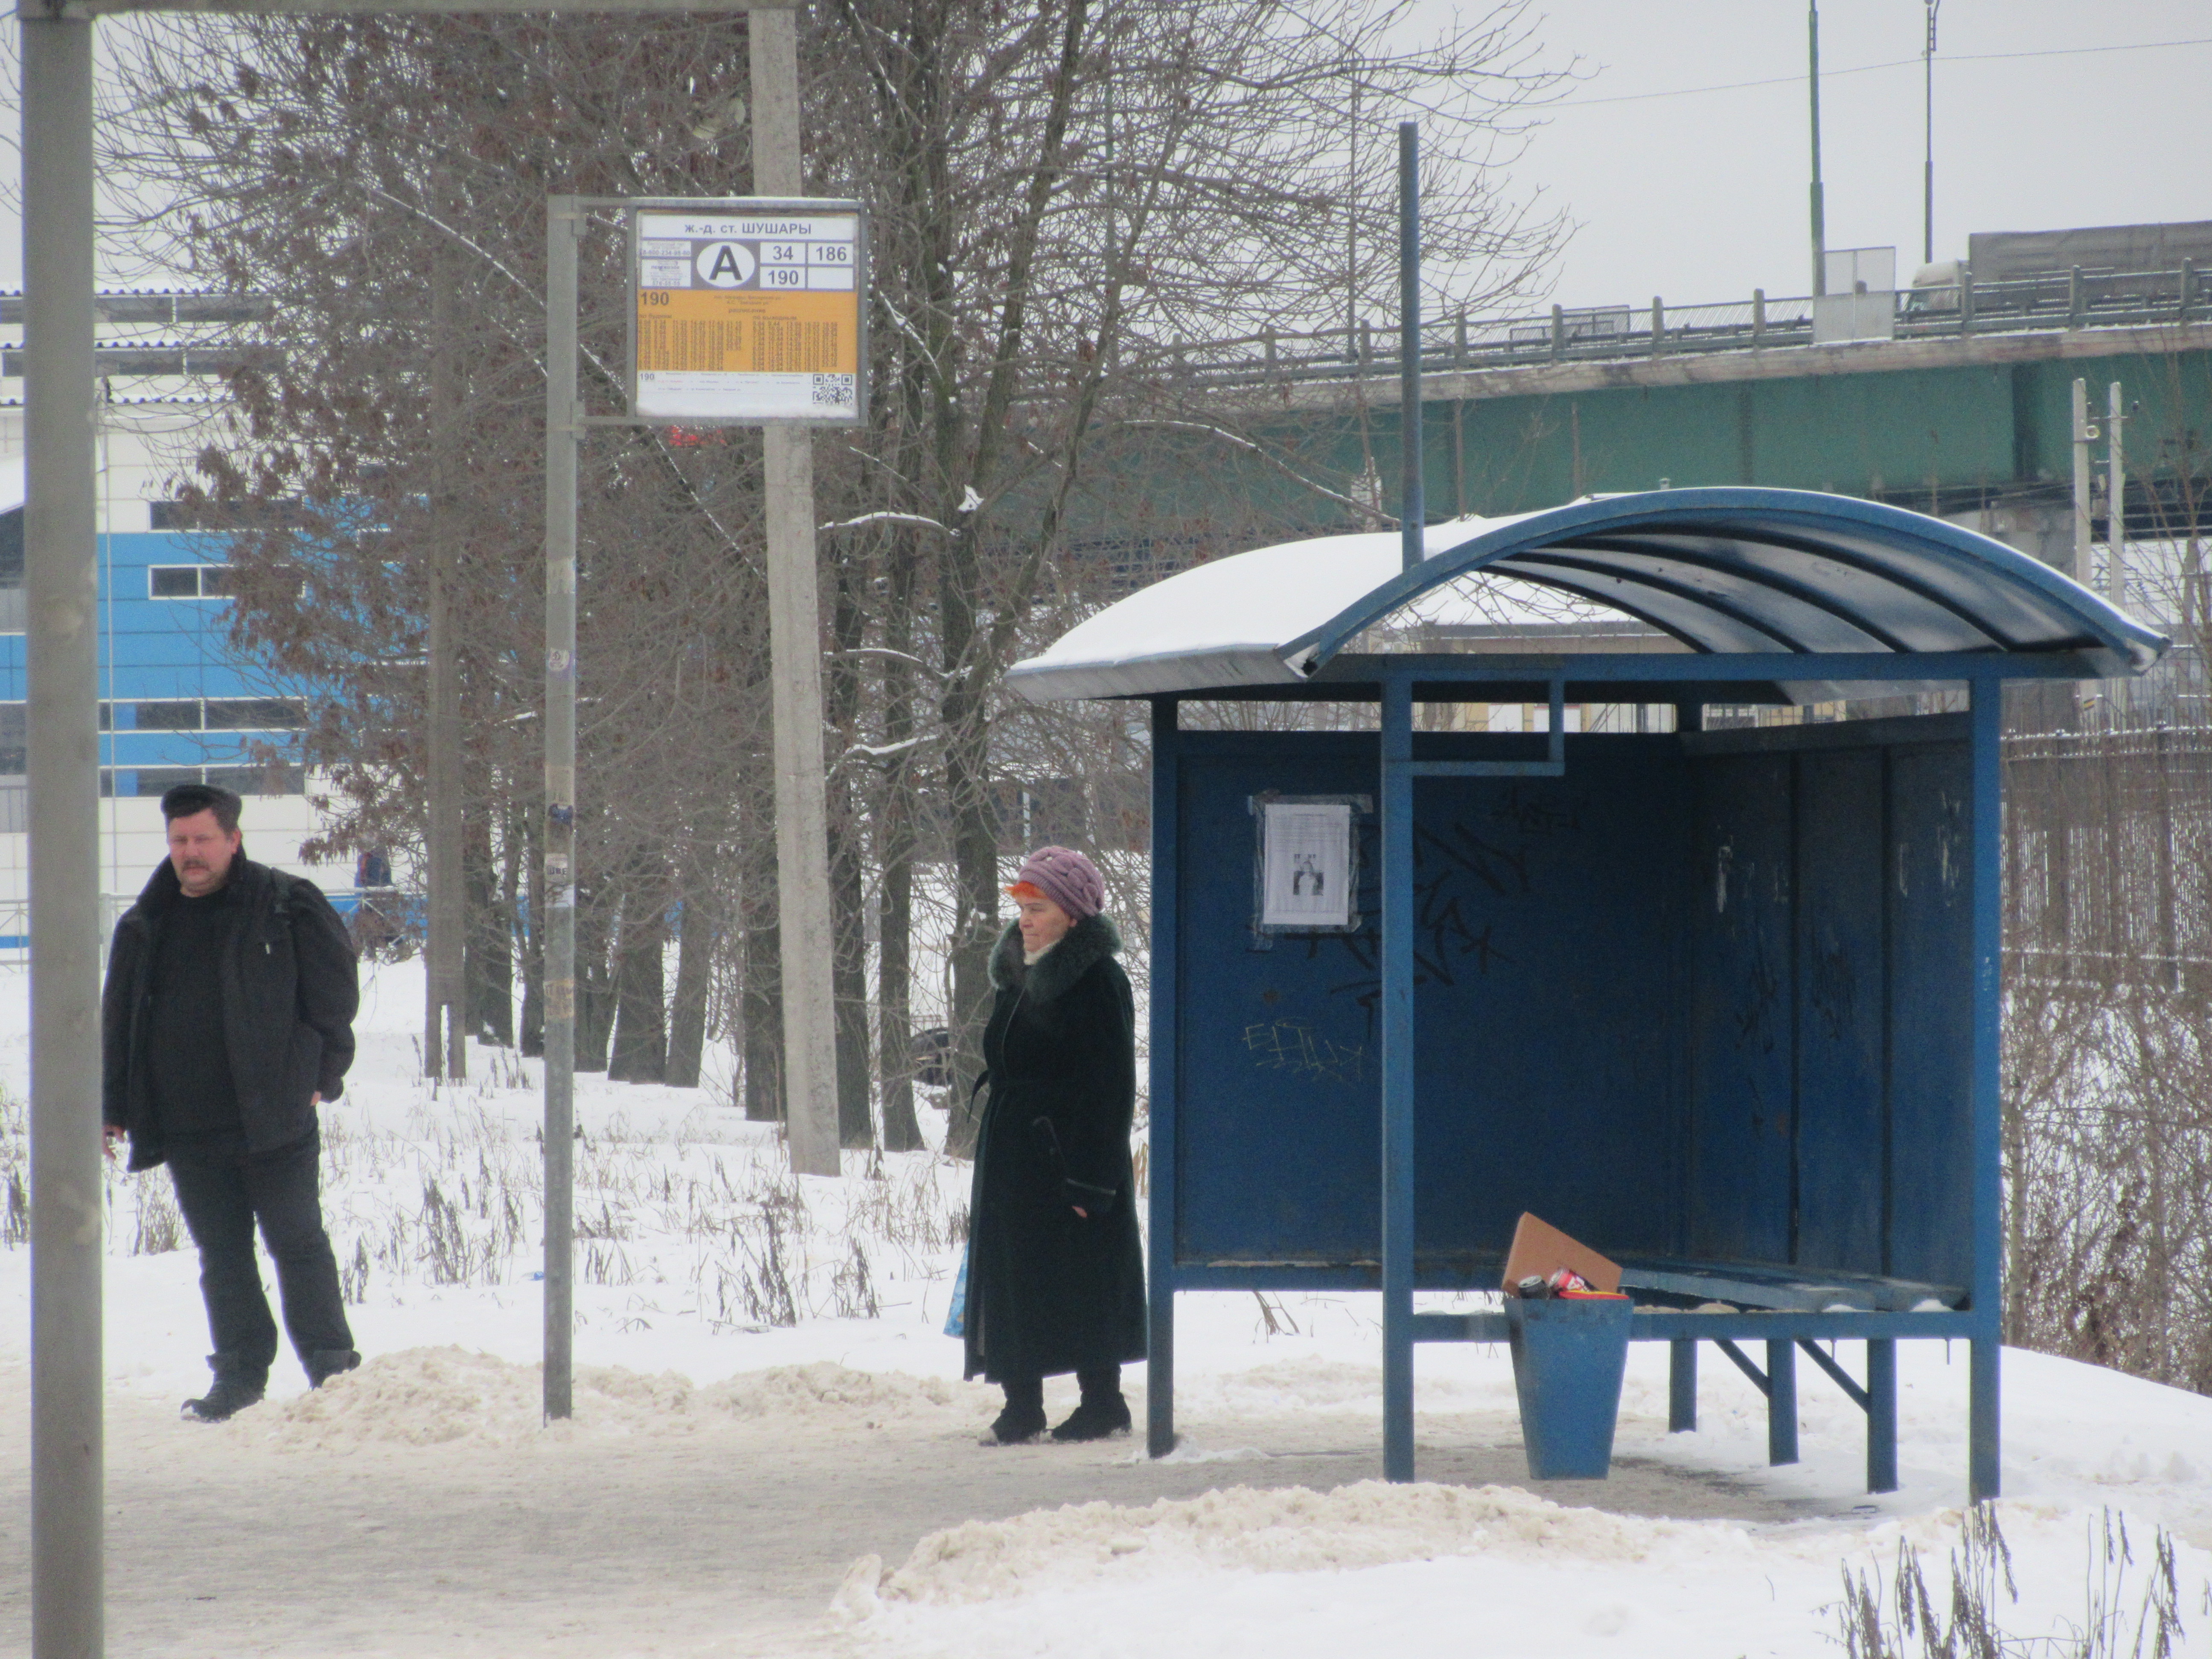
x=227, y=1015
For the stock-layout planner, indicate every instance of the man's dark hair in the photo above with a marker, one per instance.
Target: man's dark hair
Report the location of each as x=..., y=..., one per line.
x=187, y=799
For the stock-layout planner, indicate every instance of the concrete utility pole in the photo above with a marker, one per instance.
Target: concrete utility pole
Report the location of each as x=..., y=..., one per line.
x=61, y=584
x=445, y=1043
x=794, y=621
x=1820, y=204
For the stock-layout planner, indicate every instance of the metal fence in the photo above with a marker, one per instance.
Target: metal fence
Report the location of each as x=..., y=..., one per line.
x=2108, y=844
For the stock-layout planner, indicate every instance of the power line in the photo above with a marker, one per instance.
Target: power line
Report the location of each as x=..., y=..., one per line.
x=1868, y=68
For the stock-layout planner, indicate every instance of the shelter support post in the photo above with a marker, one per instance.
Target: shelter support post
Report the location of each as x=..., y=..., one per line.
x=62, y=596
x=1681, y=1387
x=1987, y=727
x=1159, y=1364
x=1397, y=789
x=1782, y=1401
x=1882, y=1415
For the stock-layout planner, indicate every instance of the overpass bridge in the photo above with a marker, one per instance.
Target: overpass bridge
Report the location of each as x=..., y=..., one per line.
x=1963, y=405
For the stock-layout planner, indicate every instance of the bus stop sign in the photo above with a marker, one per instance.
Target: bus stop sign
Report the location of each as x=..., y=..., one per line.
x=749, y=312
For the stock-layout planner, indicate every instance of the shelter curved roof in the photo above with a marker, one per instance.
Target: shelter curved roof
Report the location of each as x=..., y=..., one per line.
x=1717, y=571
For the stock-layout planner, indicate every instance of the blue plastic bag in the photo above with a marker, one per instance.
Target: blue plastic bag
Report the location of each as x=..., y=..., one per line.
x=955, y=1321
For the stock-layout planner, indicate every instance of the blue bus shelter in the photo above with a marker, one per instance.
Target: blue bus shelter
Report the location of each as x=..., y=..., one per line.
x=1724, y=1005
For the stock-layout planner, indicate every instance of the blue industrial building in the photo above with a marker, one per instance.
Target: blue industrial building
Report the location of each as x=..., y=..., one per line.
x=178, y=704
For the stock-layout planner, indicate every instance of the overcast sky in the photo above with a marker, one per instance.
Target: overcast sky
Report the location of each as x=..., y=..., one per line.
x=1700, y=195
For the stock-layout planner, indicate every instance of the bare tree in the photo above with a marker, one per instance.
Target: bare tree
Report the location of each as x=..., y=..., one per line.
x=1060, y=199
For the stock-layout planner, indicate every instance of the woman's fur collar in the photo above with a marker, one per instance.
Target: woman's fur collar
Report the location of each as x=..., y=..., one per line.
x=1084, y=945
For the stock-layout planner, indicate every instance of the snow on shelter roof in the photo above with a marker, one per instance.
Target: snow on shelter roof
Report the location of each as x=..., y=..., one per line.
x=1719, y=571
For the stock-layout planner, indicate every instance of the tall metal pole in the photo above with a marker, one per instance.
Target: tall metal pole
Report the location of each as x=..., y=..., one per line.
x=445, y=1049
x=563, y=432
x=2116, y=502
x=61, y=582
x=1928, y=166
x=794, y=619
x=2083, y=434
x=1820, y=204
x=1413, y=508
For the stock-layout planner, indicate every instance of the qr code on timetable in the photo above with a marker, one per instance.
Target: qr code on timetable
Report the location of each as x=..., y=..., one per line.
x=836, y=390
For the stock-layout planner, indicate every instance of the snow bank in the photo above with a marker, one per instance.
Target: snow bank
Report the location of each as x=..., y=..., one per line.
x=1289, y=1529
x=439, y=1397
x=1436, y=1572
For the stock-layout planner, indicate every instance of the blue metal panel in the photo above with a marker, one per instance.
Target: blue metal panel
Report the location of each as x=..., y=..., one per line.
x=1741, y=1026
x=1548, y=948
x=1553, y=974
x=1927, y=893
x=1842, y=1009
x=1277, y=1081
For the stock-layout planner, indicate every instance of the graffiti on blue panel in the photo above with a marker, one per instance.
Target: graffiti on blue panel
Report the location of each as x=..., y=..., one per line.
x=1291, y=1045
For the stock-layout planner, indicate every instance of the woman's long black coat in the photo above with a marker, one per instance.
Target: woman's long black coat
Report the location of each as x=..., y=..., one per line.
x=1050, y=1291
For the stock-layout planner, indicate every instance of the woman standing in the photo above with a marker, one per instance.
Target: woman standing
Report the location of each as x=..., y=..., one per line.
x=1056, y=1273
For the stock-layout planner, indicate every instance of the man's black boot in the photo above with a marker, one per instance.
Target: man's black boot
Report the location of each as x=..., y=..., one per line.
x=1103, y=1411
x=233, y=1391
x=325, y=1364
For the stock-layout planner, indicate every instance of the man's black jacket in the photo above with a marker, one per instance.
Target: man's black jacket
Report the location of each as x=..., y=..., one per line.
x=289, y=991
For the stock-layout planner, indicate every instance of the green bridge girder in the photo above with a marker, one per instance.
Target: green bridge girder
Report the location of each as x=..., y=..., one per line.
x=1940, y=425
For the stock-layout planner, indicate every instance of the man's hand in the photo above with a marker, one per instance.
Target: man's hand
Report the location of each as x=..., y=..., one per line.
x=1080, y=1211
x=110, y=1137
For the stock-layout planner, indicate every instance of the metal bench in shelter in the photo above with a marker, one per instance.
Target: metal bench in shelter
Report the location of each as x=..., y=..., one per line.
x=1722, y=1004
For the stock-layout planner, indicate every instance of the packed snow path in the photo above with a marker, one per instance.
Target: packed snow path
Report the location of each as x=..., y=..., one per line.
x=281, y=1536
x=818, y=1491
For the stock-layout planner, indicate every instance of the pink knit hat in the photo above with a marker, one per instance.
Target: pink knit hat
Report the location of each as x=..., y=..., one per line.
x=1066, y=878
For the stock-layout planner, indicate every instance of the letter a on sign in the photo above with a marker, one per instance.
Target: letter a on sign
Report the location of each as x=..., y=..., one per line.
x=724, y=264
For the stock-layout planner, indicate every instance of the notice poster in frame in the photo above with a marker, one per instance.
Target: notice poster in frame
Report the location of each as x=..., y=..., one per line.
x=1308, y=877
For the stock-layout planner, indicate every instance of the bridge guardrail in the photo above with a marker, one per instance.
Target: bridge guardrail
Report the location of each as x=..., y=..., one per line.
x=1607, y=333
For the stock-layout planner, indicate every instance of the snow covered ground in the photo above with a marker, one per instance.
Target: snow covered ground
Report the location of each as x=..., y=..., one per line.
x=772, y=1451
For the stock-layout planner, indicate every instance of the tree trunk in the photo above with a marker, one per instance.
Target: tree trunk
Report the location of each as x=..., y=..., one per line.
x=641, y=1035
x=487, y=967
x=762, y=1001
x=686, y=1020
x=975, y=869
x=531, y=927
x=595, y=981
x=895, y=846
x=848, y=962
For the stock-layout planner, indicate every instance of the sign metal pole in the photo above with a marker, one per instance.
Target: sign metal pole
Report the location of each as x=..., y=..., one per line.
x=563, y=431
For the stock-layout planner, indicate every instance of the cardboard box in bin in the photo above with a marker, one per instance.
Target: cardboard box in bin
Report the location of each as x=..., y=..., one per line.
x=1542, y=1249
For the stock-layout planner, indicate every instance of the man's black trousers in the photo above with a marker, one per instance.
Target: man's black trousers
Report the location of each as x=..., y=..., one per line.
x=222, y=1196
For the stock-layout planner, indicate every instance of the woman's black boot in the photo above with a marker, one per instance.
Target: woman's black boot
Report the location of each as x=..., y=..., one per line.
x=1103, y=1411
x=1024, y=1417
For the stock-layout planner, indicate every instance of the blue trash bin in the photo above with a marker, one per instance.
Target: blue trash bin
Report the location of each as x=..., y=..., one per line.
x=1568, y=1358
